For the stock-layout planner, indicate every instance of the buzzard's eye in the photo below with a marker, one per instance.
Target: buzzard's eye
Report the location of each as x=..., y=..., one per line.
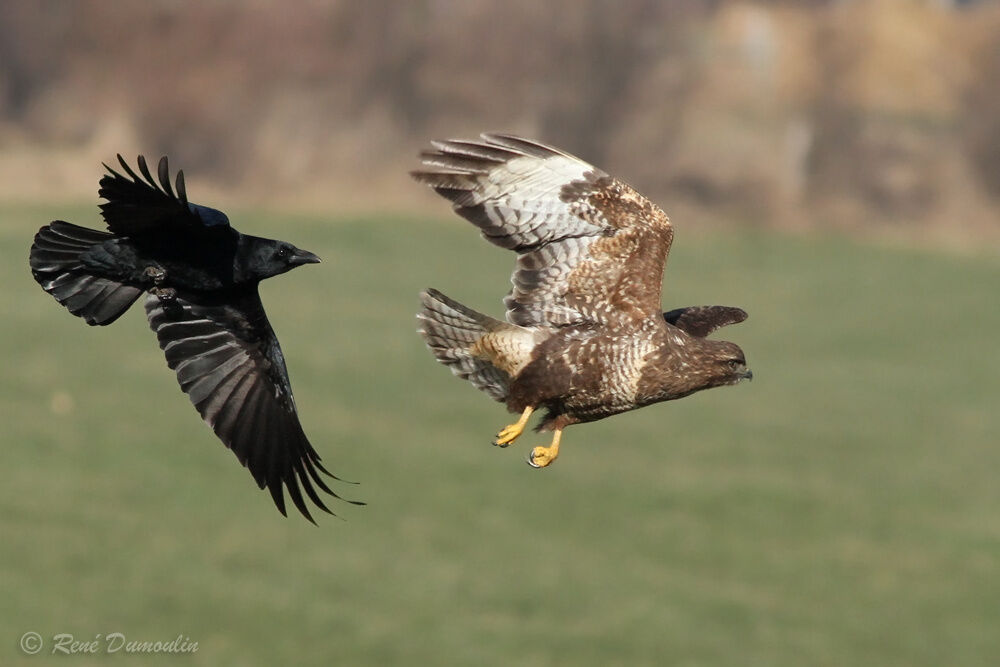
x=735, y=363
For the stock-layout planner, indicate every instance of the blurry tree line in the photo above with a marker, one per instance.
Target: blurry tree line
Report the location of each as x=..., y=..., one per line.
x=810, y=113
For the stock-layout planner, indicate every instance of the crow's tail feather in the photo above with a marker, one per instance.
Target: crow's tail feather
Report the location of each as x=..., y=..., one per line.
x=55, y=264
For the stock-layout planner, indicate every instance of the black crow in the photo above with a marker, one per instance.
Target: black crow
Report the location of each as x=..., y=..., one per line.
x=201, y=276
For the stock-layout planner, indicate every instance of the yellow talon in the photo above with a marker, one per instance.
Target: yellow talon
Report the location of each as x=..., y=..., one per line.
x=543, y=456
x=509, y=434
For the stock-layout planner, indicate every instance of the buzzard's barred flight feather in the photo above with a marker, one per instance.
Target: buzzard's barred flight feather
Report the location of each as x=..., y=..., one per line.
x=570, y=223
x=587, y=336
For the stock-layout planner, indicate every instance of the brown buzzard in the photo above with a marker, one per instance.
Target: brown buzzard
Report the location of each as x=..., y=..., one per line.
x=584, y=336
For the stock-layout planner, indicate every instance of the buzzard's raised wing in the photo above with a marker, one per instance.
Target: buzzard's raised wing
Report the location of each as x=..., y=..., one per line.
x=229, y=364
x=138, y=205
x=590, y=248
x=700, y=321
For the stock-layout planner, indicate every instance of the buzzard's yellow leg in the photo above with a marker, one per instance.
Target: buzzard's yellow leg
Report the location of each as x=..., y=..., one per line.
x=543, y=456
x=509, y=434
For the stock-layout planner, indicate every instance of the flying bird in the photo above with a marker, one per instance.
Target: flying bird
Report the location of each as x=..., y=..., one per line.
x=200, y=276
x=584, y=336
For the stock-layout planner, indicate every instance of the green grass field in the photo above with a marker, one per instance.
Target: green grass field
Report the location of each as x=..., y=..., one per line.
x=842, y=509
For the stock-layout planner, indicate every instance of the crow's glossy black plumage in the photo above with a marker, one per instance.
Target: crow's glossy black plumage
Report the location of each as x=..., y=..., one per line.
x=201, y=277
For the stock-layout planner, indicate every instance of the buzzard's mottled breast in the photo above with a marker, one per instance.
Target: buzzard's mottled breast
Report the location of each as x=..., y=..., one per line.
x=588, y=372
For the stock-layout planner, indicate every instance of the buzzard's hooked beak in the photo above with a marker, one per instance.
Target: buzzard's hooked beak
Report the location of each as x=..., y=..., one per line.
x=748, y=375
x=303, y=257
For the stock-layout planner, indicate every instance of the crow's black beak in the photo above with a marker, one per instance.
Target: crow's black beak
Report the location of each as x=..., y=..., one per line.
x=303, y=257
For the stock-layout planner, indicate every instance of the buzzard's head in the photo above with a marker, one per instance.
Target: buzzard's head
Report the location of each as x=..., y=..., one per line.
x=726, y=364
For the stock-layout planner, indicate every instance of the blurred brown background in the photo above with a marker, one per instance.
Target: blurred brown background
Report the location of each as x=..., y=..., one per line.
x=879, y=115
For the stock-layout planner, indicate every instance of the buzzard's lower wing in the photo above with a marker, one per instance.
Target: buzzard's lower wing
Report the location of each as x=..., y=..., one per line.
x=590, y=248
x=700, y=321
x=229, y=363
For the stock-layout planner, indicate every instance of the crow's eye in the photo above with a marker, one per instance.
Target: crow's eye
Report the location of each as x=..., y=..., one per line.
x=284, y=253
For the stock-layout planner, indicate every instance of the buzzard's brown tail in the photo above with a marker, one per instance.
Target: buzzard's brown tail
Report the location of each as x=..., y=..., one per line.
x=451, y=331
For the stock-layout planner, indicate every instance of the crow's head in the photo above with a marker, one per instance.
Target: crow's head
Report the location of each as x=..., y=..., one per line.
x=265, y=258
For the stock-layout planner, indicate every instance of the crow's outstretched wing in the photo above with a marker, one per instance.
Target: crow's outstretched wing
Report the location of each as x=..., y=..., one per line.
x=228, y=362
x=138, y=204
